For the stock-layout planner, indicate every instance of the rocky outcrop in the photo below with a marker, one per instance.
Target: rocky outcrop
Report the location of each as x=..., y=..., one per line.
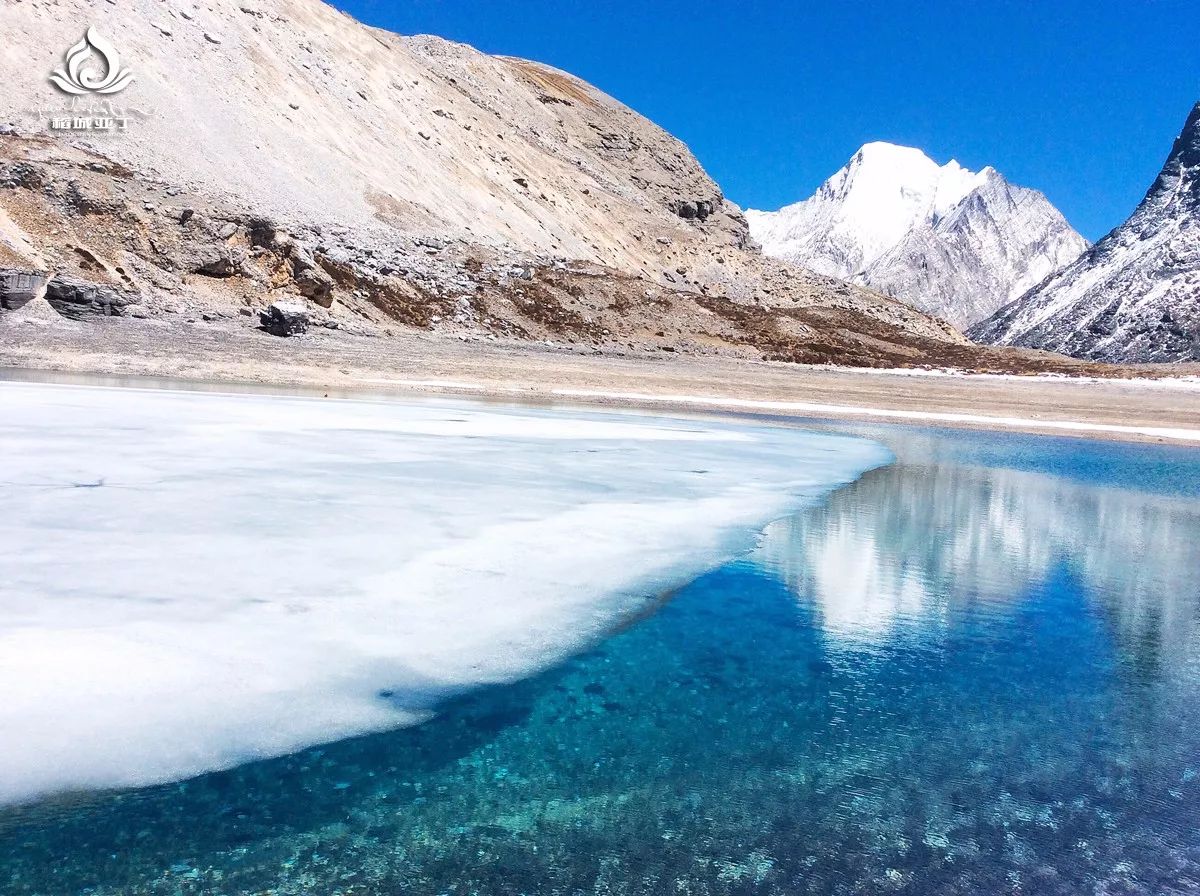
x=1135, y=295
x=698, y=209
x=18, y=287
x=218, y=261
x=76, y=299
x=312, y=281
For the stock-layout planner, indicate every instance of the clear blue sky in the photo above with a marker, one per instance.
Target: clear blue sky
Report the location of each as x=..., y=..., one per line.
x=1080, y=100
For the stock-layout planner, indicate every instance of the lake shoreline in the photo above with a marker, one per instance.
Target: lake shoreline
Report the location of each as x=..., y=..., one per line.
x=1140, y=410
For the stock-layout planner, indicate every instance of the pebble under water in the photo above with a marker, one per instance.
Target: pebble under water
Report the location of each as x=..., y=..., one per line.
x=974, y=671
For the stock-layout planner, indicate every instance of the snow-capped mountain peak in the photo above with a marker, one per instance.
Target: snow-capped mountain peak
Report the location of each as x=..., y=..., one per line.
x=895, y=220
x=867, y=207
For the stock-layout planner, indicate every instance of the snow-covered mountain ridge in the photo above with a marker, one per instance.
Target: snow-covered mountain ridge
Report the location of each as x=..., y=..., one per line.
x=953, y=242
x=1135, y=295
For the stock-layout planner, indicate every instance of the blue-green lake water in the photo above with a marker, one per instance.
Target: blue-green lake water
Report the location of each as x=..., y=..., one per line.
x=974, y=671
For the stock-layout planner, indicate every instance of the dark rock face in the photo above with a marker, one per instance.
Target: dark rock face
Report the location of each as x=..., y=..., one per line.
x=284, y=319
x=77, y=299
x=17, y=287
x=693, y=209
x=1135, y=295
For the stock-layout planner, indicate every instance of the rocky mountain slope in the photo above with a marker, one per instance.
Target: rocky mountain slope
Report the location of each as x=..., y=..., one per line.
x=1135, y=295
x=951, y=242
x=280, y=149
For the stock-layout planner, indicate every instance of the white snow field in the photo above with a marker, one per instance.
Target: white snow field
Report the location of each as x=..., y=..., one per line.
x=189, y=581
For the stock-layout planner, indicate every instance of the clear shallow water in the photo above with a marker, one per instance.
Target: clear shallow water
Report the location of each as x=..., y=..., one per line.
x=974, y=671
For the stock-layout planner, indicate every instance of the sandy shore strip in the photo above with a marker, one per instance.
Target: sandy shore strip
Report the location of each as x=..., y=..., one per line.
x=344, y=366
x=810, y=409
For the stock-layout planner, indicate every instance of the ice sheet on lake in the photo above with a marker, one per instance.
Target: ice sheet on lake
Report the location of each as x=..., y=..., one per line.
x=189, y=581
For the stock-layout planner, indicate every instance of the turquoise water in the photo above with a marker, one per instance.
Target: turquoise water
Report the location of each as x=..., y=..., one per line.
x=973, y=671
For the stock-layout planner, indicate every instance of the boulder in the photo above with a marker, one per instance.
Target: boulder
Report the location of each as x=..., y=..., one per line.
x=284, y=319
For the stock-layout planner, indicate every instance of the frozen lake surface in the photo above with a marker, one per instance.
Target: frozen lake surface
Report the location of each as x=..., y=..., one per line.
x=973, y=670
x=189, y=581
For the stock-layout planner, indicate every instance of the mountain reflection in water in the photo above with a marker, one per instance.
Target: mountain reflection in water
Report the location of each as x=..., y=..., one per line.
x=911, y=548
